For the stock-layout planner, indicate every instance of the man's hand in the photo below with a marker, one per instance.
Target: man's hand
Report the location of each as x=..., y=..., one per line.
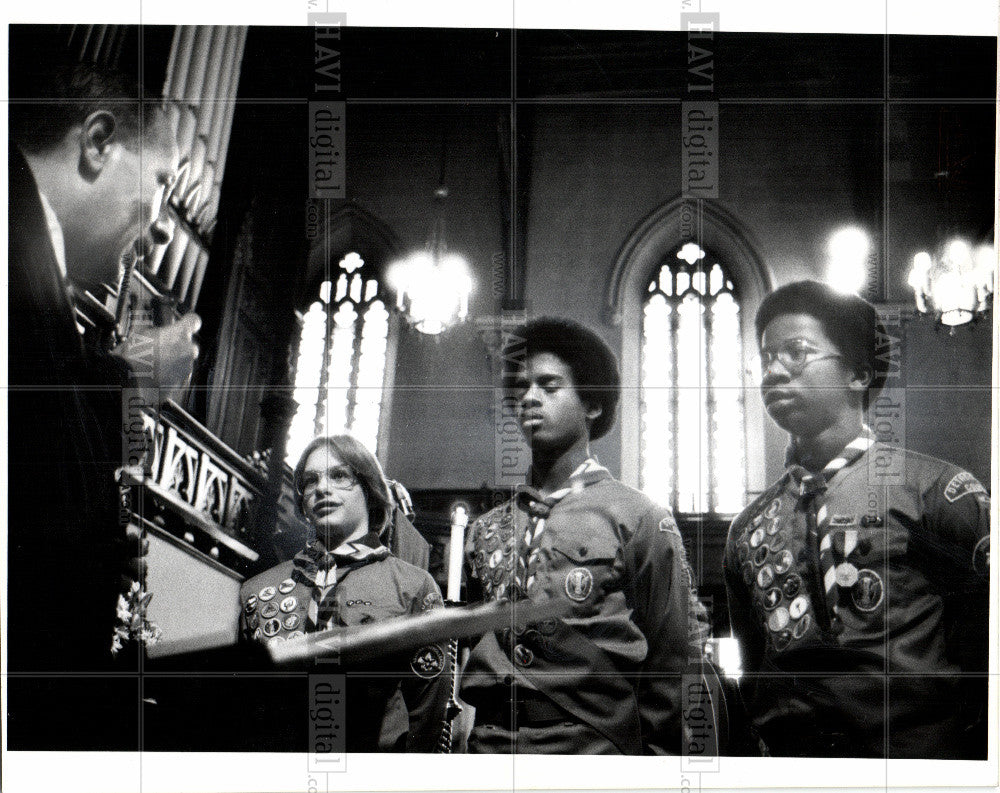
x=134, y=549
x=162, y=358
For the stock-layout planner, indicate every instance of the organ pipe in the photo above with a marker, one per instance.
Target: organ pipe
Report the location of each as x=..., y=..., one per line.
x=203, y=74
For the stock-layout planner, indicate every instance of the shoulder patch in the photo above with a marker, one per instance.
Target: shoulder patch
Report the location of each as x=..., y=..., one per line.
x=962, y=484
x=432, y=600
x=668, y=524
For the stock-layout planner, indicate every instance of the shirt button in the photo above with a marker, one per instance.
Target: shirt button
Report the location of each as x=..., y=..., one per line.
x=523, y=656
x=507, y=680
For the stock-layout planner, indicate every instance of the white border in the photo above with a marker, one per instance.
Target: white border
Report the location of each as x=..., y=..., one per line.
x=153, y=772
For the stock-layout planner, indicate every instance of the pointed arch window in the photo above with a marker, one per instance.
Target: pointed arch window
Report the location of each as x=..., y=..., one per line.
x=341, y=364
x=693, y=442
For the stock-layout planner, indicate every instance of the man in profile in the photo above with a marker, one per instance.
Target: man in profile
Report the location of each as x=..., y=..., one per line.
x=89, y=167
x=859, y=603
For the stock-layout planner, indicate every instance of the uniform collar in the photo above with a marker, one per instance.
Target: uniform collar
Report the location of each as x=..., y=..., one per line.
x=367, y=548
x=847, y=456
x=587, y=473
x=866, y=435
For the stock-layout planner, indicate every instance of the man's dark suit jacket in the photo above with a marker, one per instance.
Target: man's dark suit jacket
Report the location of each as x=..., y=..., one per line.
x=64, y=533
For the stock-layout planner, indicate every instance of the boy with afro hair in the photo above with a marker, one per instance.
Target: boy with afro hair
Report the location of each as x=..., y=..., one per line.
x=605, y=678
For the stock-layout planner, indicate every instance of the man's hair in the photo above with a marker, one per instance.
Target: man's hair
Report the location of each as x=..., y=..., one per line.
x=48, y=99
x=362, y=462
x=594, y=366
x=850, y=322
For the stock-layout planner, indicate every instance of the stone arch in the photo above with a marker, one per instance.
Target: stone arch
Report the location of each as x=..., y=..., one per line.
x=661, y=232
x=336, y=231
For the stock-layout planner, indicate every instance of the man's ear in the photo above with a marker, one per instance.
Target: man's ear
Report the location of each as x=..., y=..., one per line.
x=96, y=137
x=593, y=411
x=861, y=381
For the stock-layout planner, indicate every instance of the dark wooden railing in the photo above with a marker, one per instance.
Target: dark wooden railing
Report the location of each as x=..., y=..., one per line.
x=196, y=488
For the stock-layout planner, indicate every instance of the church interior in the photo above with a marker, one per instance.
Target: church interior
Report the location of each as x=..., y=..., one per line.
x=358, y=219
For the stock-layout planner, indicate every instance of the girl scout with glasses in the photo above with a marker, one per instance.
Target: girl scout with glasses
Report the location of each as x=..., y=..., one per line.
x=345, y=576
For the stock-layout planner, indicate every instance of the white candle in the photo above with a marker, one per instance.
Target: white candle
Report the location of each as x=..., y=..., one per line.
x=459, y=520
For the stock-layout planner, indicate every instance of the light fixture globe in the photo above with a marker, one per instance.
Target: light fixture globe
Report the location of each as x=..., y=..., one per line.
x=432, y=288
x=957, y=284
x=848, y=252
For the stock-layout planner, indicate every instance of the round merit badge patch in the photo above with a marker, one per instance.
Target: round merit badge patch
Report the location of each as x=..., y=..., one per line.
x=742, y=553
x=771, y=598
x=428, y=662
x=579, y=584
x=981, y=556
x=668, y=525
x=798, y=607
x=802, y=626
x=784, y=562
x=778, y=619
x=846, y=574
x=868, y=590
x=792, y=585
x=267, y=593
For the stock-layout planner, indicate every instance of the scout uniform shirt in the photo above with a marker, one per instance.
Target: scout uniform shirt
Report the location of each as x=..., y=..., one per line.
x=901, y=580
x=359, y=582
x=614, y=662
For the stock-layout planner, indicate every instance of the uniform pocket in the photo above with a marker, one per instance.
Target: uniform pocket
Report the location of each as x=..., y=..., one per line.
x=587, y=550
x=863, y=556
x=363, y=612
x=583, y=569
x=859, y=545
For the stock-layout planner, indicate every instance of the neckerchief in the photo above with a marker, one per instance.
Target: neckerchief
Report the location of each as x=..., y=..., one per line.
x=538, y=508
x=811, y=486
x=318, y=569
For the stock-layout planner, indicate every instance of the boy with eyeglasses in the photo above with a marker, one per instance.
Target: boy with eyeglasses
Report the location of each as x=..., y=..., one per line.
x=858, y=596
x=347, y=577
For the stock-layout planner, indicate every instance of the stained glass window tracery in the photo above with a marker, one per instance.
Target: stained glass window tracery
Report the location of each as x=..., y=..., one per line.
x=693, y=441
x=340, y=369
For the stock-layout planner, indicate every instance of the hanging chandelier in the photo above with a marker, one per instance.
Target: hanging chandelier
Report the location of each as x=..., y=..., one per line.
x=956, y=284
x=433, y=284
